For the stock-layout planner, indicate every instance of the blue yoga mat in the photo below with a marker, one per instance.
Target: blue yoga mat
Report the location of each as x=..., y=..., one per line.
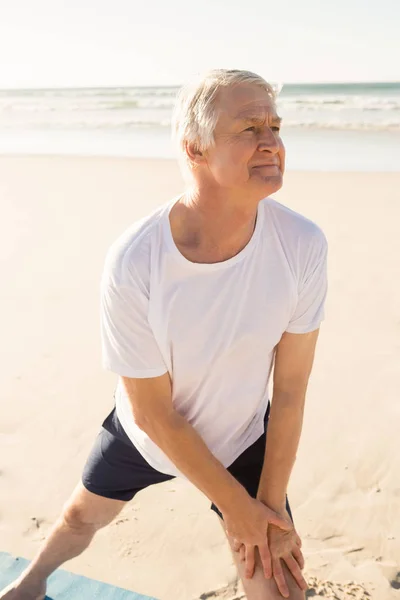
x=66, y=586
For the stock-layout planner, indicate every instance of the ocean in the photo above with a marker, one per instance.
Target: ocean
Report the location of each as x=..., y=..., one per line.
x=326, y=127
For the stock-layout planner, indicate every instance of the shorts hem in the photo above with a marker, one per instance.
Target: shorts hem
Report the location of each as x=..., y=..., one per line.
x=105, y=493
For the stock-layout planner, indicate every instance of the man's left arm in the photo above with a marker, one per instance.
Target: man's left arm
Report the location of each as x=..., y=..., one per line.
x=293, y=364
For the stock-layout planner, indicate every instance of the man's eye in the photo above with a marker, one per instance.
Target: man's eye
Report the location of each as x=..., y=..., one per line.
x=275, y=128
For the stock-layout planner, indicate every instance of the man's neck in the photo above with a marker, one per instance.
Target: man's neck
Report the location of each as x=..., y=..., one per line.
x=209, y=229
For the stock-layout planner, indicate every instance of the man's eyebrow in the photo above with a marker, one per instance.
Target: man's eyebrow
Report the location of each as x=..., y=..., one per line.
x=257, y=118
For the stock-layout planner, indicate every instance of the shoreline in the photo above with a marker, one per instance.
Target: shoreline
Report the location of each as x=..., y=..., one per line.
x=166, y=159
x=329, y=151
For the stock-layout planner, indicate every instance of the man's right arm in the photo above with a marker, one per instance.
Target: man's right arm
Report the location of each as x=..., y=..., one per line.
x=246, y=518
x=153, y=412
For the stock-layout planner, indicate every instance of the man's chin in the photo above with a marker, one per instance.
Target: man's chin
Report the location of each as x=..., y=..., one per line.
x=271, y=184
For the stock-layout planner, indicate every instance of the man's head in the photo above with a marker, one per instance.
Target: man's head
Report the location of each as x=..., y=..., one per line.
x=227, y=131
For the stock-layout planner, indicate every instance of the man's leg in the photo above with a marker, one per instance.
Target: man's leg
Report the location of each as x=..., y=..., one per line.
x=83, y=514
x=259, y=588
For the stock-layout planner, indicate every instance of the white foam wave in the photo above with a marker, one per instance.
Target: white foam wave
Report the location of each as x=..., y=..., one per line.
x=392, y=125
x=86, y=105
x=152, y=107
x=83, y=124
x=114, y=100
x=341, y=103
x=138, y=123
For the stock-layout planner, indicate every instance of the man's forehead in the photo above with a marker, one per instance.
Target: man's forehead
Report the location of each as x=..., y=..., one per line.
x=259, y=111
x=247, y=102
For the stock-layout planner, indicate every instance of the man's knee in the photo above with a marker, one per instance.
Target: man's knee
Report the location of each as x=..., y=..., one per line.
x=88, y=512
x=259, y=588
x=79, y=519
x=270, y=592
x=294, y=594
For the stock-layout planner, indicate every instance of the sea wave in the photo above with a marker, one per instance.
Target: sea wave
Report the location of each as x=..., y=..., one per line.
x=373, y=107
x=389, y=125
x=94, y=101
x=138, y=123
x=73, y=124
x=167, y=103
x=87, y=106
x=341, y=103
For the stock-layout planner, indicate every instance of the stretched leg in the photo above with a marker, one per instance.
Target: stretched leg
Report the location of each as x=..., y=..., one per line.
x=83, y=514
x=259, y=588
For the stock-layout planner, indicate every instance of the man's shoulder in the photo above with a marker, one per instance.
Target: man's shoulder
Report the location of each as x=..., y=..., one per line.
x=128, y=257
x=293, y=225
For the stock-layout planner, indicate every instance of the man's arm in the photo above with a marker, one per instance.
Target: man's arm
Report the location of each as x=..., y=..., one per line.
x=153, y=412
x=152, y=408
x=293, y=364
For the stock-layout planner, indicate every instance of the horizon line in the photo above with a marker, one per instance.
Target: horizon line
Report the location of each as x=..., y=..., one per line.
x=175, y=85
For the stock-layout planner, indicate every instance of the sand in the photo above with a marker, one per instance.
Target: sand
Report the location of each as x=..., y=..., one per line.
x=58, y=217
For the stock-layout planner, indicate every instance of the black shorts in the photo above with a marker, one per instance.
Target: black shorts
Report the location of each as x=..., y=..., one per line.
x=115, y=469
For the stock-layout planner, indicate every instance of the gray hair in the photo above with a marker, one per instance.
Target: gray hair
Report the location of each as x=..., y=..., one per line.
x=195, y=115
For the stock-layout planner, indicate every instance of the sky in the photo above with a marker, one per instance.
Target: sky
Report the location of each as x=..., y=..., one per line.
x=90, y=43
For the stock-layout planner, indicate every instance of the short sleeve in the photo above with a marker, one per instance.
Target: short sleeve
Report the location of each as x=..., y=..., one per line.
x=128, y=344
x=313, y=288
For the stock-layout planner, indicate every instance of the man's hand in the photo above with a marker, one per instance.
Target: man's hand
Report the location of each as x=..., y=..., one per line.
x=283, y=545
x=249, y=526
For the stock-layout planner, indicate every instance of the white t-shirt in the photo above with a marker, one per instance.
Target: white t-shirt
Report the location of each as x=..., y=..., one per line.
x=213, y=327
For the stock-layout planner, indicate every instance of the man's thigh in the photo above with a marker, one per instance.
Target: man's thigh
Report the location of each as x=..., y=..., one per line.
x=85, y=508
x=114, y=468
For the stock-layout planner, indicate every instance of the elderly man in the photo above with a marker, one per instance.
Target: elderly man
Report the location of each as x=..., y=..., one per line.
x=199, y=300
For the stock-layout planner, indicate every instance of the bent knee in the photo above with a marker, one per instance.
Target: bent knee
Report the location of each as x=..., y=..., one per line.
x=87, y=511
x=86, y=516
x=78, y=518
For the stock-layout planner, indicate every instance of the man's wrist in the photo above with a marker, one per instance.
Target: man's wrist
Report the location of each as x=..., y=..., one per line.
x=278, y=504
x=237, y=497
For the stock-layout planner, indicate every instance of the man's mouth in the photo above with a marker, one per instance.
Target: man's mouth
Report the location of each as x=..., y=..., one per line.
x=266, y=166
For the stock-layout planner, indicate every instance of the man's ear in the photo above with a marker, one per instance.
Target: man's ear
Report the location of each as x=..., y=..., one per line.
x=193, y=153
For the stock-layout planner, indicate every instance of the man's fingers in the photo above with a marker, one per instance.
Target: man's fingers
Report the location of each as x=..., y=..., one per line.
x=240, y=549
x=265, y=556
x=297, y=553
x=236, y=545
x=298, y=541
x=280, y=578
x=294, y=568
x=250, y=561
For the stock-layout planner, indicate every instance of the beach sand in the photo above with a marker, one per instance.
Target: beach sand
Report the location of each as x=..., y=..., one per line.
x=58, y=217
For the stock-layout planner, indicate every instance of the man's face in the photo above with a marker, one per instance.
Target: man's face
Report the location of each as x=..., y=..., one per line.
x=248, y=154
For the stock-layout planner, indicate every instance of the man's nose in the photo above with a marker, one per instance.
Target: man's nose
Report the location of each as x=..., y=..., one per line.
x=268, y=141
